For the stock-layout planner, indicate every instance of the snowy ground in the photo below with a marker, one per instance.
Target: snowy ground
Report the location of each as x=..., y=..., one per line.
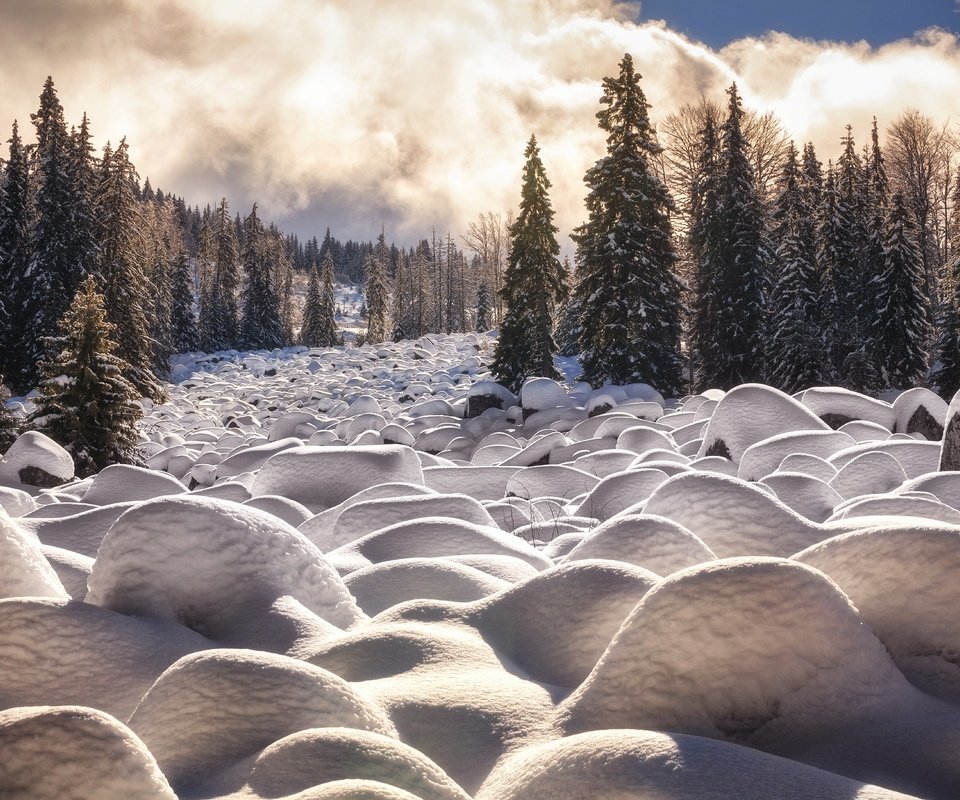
x=333, y=582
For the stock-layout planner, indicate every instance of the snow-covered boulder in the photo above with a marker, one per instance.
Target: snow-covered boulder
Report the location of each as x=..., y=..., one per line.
x=23, y=569
x=34, y=459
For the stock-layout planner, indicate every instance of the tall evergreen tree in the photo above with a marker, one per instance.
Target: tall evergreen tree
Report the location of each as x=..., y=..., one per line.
x=262, y=326
x=794, y=358
x=903, y=322
x=85, y=403
x=629, y=294
x=124, y=285
x=403, y=299
x=83, y=242
x=377, y=292
x=947, y=376
x=219, y=256
x=53, y=275
x=534, y=283
x=739, y=270
x=312, y=326
x=16, y=210
x=9, y=425
x=484, y=308
x=330, y=334
x=183, y=320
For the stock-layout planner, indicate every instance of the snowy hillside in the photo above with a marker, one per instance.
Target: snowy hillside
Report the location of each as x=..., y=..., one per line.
x=375, y=573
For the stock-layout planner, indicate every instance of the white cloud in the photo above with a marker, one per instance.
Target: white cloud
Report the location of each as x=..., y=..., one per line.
x=348, y=113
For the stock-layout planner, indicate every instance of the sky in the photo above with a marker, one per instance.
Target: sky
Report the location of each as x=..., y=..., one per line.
x=414, y=114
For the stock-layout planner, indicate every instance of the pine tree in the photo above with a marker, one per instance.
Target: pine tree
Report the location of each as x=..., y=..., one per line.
x=52, y=276
x=310, y=327
x=629, y=294
x=533, y=285
x=484, y=308
x=403, y=289
x=737, y=275
x=703, y=241
x=83, y=243
x=795, y=348
x=377, y=292
x=262, y=326
x=125, y=287
x=16, y=209
x=85, y=403
x=183, y=321
x=219, y=254
x=947, y=377
x=874, y=199
x=9, y=425
x=903, y=322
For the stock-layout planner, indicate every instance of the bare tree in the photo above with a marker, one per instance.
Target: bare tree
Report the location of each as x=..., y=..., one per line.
x=917, y=152
x=487, y=238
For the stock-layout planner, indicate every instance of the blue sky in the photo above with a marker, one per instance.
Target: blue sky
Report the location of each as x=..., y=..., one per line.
x=717, y=23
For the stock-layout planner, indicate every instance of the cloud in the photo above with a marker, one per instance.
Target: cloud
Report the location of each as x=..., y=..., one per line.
x=349, y=113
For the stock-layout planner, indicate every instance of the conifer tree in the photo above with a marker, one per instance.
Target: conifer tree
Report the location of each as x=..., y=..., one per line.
x=311, y=325
x=9, y=425
x=85, y=403
x=219, y=319
x=903, y=321
x=403, y=299
x=484, y=308
x=947, y=377
x=15, y=218
x=262, y=326
x=704, y=242
x=124, y=285
x=629, y=294
x=330, y=334
x=377, y=292
x=83, y=242
x=53, y=275
x=795, y=349
x=737, y=274
x=874, y=200
x=533, y=285
x=183, y=320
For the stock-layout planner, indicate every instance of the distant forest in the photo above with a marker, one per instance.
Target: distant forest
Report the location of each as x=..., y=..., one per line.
x=834, y=266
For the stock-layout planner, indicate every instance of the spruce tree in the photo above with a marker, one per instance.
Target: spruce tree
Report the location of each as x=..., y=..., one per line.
x=484, y=308
x=262, y=326
x=377, y=292
x=628, y=292
x=794, y=357
x=330, y=334
x=533, y=285
x=125, y=287
x=85, y=402
x=219, y=254
x=310, y=327
x=183, y=321
x=15, y=219
x=53, y=275
x=947, y=377
x=874, y=199
x=739, y=267
x=703, y=240
x=9, y=425
x=903, y=315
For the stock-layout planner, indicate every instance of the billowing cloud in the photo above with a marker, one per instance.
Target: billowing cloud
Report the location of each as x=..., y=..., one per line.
x=414, y=113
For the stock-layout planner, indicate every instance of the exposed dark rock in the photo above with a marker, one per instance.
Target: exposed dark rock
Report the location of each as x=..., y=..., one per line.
x=719, y=448
x=603, y=408
x=34, y=476
x=922, y=422
x=950, y=453
x=478, y=403
x=835, y=421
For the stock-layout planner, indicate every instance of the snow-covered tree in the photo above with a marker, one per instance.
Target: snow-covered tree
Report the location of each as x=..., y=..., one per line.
x=183, y=320
x=377, y=292
x=903, y=321
x=15, y=219
x=533, y=285
x=484, y=308
x=947, y=376
x=736, y=276
x=795, y=350
x=9, y=425
x=125, y=287
x=85, y=402
x=262, y=326
x=219, y=256
x=629, y=294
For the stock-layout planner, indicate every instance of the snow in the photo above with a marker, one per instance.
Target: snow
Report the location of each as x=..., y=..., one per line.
x=332, y=581
x=34, y=449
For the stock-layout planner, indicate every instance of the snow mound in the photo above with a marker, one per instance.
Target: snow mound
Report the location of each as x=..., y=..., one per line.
x=945, y=486
x=624, y=764
x=732, y=517
x=620, y=491
x=322, y=477
x=765, y=456
x=875, y=471
x=211, y=709
x=838, y=406
x=216, y=567
x=654, y=543
x=920, y=411
x=290, y=511
x=368, y=516
x=36, y=460
x=550, y=481
x=556, y=625
x=897, y=505
x=120, y=483
x=916, y=458
x=383, y=585
x=63, y=652
x=74, y=753
x=431, y=537
x=82, y=532
x=16, y=502
x=23, y=568
x=902, y=577
x=748, y=650
x=750, y=413
x=481, y=483
x=72, y=569
x=809, y=496
x=324, y=755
